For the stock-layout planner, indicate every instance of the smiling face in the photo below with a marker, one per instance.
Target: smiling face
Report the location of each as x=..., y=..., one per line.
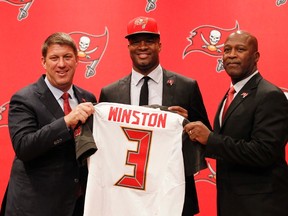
x=60, y=64
x=144, y=52
x=240, y=55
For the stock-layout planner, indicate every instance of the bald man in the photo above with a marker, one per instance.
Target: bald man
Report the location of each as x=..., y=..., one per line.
x=249, y=139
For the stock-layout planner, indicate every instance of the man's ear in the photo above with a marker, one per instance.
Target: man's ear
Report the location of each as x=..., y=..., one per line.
x=43, y=62
x=257, y=56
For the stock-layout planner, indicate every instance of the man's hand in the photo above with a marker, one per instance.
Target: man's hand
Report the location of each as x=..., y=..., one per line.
x=79, y=114
x=197, y=131
x=181, y=111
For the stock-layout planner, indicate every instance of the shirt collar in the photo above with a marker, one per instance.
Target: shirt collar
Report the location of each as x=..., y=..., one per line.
x=155, y=75
x=57, y=92
x=239, y=85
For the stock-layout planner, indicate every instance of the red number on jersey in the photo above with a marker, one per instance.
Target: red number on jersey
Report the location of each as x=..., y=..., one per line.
x=138, y=158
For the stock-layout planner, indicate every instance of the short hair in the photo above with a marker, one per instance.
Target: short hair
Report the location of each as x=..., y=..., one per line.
x=60, y=38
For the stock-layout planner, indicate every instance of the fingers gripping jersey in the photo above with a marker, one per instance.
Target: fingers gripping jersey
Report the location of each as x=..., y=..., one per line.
x=138, y=167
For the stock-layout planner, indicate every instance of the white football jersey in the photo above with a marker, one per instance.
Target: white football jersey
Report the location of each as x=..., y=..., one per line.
x=138, y=167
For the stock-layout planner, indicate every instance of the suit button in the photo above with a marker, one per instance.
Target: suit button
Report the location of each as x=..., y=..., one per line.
x=76, y=180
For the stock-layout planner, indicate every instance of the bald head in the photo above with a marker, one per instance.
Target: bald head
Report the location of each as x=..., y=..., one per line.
x=247, y=37
x=240, y=55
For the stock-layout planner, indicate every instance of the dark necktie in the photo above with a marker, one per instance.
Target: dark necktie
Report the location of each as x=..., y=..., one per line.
x=144, y=93
x=228, y=101
x=67, y=109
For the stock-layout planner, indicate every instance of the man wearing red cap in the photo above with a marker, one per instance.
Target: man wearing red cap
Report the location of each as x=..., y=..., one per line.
x=180, y=94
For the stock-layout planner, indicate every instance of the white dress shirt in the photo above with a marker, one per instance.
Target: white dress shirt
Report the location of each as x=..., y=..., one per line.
x=57, y=93
x=155, y=86
x=238, y=86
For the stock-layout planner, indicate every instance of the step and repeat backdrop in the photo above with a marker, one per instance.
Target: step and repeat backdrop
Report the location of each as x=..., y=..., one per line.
x=192, y=36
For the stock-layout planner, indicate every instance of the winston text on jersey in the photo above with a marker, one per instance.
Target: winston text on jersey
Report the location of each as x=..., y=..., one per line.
x=118, y=114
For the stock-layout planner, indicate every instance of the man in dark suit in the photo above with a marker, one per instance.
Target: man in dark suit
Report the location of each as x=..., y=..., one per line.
x=249, y=143
x=166, y=88
x=45, y=177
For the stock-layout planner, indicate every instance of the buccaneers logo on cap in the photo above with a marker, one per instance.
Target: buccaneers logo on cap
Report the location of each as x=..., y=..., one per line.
x=146, y=25
x=141, y=22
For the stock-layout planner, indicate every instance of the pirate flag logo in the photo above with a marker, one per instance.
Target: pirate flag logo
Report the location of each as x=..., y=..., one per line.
x=151, y=5
x=23, y=11
x=90, y=49
x=209, y=40
x=280, y=2
x=207, y=175
x=4, y=114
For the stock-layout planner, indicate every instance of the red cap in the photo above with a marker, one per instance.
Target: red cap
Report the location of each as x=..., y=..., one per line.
x=142, y=25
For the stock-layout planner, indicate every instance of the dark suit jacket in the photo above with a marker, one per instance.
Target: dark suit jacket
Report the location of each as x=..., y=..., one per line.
x=183, y=92
x=252, y=174
x=45, y=178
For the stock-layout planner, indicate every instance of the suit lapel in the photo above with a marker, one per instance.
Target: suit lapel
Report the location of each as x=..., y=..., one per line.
x=169, y=85
x=48, y=99
x=216, y=120
x=79, y=94
x=244, y=93
x=124, y=92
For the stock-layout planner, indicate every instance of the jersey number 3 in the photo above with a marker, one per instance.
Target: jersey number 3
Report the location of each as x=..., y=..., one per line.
x=138, y=158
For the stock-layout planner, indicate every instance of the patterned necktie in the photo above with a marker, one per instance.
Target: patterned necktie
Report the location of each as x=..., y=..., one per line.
x=144, y=92
x=67, y=109
x=229, y=99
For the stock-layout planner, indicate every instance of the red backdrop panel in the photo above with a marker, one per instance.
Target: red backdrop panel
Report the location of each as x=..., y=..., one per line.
x=184, y=29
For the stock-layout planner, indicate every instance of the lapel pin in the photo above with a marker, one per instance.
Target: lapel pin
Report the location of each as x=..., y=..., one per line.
x=170, y=82
x=244, y=94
